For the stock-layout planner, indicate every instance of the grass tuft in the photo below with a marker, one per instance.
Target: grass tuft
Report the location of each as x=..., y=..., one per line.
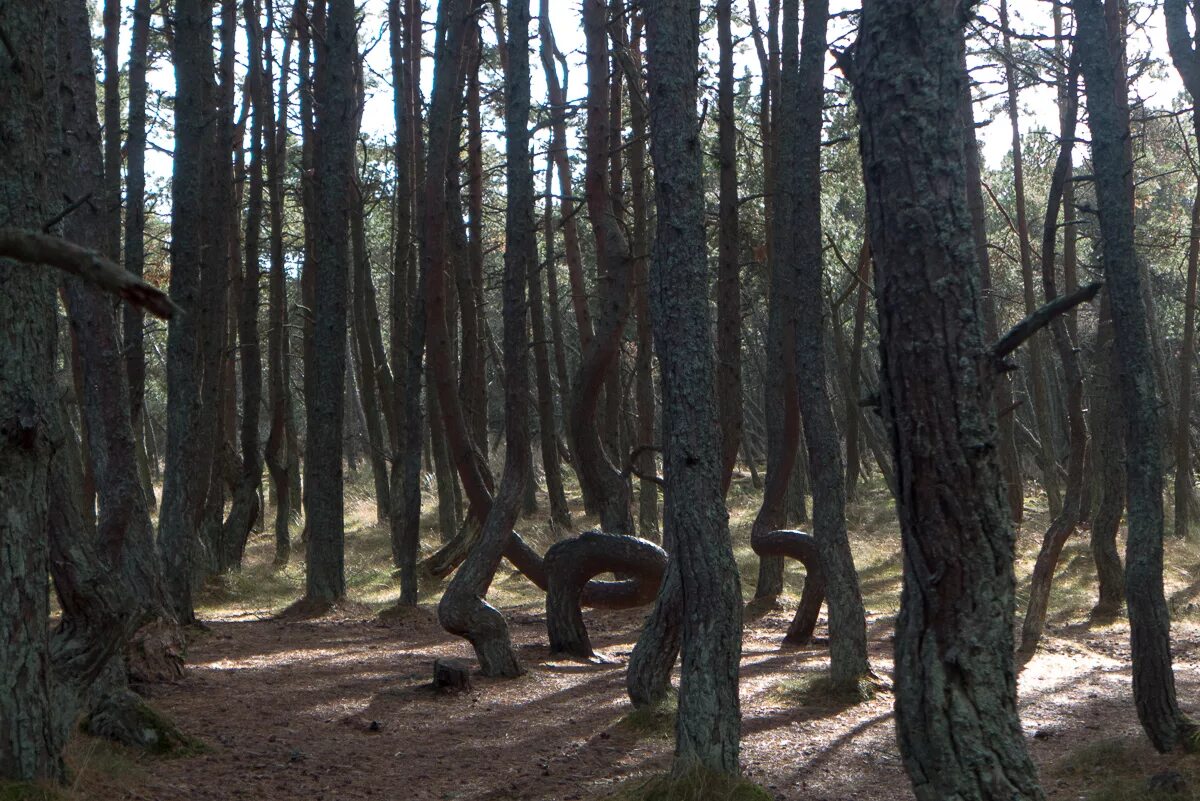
x=819, y=690
x=653, y=721
x=29, y=791
x=695, y=785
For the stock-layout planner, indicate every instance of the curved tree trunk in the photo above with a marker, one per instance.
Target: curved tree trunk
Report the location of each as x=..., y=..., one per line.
x=1149, y=620
x=803, y=548
x=572, y=563
x=604, y=483
x=1068, y=519
x=463, y=610
x=956, y=714
x=798, y=208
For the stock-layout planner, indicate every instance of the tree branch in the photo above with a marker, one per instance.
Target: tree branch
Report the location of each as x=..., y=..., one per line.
x=32, y=247
x=1019, y=333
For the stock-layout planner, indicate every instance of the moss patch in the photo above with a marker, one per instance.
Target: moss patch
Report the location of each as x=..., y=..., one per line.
x=29, y=791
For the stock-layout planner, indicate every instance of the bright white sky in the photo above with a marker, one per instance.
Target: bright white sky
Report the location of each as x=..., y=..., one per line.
x=1039, y=110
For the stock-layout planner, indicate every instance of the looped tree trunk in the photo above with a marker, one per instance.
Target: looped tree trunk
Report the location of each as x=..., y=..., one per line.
x=571, y=564
x=802, y=547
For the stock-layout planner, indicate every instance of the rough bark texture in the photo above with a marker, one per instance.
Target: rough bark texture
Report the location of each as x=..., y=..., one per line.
x=956, y=715
x=337, y=52
x=1149, y=621
x=798, y=207
x=176, y=523
x=463, y=610
x=709, y=718
x=28, y=750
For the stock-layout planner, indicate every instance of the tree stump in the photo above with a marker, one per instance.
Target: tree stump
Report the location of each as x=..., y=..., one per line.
x=451, y=676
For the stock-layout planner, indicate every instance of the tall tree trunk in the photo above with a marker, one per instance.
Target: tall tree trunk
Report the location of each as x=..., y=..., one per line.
x=560, y=515
x=336, y=105
x=463, y=610
x=135, y=216
x=1010, y=461
x=956, y=713
x=1067, y=520
x=729, y=293
x=853, y=412
x=279, y=396
x=369, y=382
x=469, y=271
x=1149, y=620
x=781, y=405
x=1186, y=57
x=798, y=208
x=244, y=510
x=643, y=367
x=189, y=260
x=605, y=484
x=29, y=749
x=1047, y=459
x=696, y=522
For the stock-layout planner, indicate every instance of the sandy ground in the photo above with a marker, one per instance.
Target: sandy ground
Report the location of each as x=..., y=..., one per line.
x=339, y=708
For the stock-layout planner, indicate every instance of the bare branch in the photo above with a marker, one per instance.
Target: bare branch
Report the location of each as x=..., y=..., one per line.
x=32, y=247
x=1022, y=331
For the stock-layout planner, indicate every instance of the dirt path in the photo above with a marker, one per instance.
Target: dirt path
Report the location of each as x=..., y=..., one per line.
x=337, y=709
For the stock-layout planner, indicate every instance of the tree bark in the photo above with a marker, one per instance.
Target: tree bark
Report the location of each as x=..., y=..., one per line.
x=1047, y=459
x=798, y=208
x=729, y=295
x=1149, y=620
x=244, y=510
x=603, y=482
x=336, y=107
x=709, y=718
x=177, y=524
x=956, y=716
x=463, y=610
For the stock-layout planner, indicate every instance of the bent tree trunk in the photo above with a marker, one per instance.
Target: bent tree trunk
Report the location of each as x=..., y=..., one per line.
x=463, y=610
x=1068, y=518
x=956, y=714
x=572, y=563
x=798, y=208
x=803, y=548
x=1149, y=620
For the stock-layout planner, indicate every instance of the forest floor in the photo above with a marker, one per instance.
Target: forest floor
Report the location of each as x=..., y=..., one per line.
x=339, y=708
